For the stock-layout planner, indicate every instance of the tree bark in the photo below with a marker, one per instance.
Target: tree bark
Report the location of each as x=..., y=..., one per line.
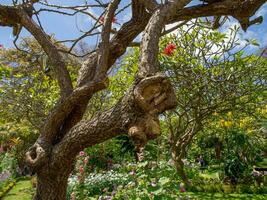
x=179, y=143
x=218, y=150
x=179, y=166
x=178, y=153
x=51, y=185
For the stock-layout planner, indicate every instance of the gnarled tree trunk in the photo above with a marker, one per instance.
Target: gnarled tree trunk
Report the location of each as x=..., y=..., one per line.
x=64, y=134
x=52, y=185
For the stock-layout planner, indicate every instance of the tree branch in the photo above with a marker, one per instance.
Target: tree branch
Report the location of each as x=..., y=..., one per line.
x=88, y=84
x=103, y=51
x=149, y=46
x=239, y=10
x=51, y=50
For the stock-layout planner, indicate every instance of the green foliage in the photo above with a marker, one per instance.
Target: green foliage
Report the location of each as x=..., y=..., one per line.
x=8, y=163
x=234, y=168
x=28, y=91
x=132, y=180
x=150, y=180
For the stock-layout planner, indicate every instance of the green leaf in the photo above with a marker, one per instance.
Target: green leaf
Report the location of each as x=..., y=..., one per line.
x=164, y=180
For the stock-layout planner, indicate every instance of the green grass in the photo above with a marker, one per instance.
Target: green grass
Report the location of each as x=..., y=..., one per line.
x=21, y=191
x=221, y=196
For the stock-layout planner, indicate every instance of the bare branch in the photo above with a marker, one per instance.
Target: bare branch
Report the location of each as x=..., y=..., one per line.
x=103, y=51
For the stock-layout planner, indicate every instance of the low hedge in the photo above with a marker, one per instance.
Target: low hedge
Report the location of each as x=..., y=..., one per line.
x=227, y=189
x=7, y=187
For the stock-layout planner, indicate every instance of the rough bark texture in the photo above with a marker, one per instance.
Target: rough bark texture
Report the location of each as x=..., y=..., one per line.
x=64, y=134
x=52, y=185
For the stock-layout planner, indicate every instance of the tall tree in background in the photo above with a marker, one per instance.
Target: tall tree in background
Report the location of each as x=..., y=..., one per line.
x=63, y=134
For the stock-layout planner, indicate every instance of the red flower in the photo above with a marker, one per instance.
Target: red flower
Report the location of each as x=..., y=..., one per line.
x=169, y=49
x=1, y=46
x=182, y=189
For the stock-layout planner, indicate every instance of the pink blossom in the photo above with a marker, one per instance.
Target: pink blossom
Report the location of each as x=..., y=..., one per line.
x=132, y=172
x=81, y=169
x=102, y=19
x=114, y=20
x=1, y=46
x=82, y=153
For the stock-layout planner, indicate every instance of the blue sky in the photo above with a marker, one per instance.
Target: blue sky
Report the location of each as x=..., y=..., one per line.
x=66, y=27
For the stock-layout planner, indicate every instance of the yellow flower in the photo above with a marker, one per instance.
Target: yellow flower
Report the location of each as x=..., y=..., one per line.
x=228, y=124
x=215, y=114
x=222, y=122
x=258, y=110
x=249, y=130
x=229, y=114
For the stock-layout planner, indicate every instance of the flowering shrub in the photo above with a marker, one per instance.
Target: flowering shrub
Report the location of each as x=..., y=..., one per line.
x=97, y=183
x=147, y=179
x=8, y=164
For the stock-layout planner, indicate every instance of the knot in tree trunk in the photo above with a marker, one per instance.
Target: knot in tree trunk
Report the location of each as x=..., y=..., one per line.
x=36, y=156
x=153, y=95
